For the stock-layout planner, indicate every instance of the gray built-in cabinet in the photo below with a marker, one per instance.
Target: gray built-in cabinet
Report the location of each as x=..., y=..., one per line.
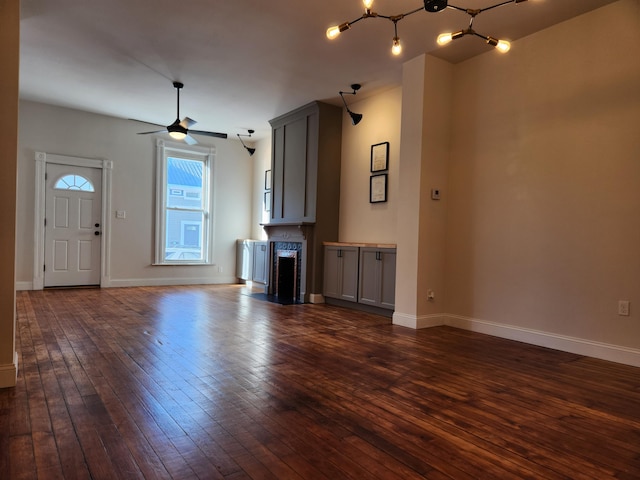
x=341, y=272
x=306, y=166
x=377, y=274
x=360, y=273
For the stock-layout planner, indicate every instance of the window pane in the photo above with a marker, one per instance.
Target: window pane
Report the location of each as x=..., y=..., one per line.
x=184, y=235
x=184, y=183
x=74, y=182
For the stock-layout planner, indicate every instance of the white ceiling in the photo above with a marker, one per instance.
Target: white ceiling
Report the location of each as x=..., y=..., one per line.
x=243, y=62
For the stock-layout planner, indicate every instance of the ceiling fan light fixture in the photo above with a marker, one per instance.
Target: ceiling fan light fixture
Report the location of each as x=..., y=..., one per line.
x=177, y=135
x=179, y=129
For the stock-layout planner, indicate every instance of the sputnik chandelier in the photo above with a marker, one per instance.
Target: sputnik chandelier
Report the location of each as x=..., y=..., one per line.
x=432, y=6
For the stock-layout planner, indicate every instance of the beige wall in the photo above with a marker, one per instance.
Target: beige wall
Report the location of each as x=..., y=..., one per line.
x=544, y=194
x=261, y=163
x=361, y=221
x=9, y=59
x=50, y=129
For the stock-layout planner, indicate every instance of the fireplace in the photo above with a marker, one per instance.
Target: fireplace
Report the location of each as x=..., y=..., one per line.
x=287, y=281
x=290, y=269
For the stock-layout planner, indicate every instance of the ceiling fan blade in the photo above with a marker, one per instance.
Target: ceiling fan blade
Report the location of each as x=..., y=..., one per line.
x=187, y=122
x=209, y=134
x=189, y=140
x=155, y=131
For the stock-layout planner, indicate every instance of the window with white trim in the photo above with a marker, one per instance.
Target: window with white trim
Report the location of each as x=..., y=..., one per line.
x=183, y=214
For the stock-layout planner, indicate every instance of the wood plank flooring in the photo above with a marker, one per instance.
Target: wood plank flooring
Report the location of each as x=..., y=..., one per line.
x=208, y=382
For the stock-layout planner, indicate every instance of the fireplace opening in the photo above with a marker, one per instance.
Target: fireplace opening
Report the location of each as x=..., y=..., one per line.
x=286, y=274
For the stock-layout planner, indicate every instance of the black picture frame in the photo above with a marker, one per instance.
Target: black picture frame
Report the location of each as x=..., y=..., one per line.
x=380, y=157
x=378, y=188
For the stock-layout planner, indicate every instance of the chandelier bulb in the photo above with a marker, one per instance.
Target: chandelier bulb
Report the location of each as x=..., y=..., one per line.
x=396, y=48
x=503, y=46
x=444, y=38
x=333, y=32
x=367, y=4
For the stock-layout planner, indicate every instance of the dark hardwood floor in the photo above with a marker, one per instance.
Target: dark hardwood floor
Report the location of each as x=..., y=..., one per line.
x=208, y=382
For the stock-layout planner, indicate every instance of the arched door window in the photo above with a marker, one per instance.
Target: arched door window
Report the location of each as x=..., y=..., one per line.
x=74, y=182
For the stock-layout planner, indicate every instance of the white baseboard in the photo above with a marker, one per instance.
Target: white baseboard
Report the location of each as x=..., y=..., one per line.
x=9, y=373
x=24, y=285
x=167, y=282
x=316, y=298
x=579, y=346
x=410, y=321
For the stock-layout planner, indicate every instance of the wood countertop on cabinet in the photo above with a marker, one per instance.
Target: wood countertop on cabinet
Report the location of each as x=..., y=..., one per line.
x=359, y=244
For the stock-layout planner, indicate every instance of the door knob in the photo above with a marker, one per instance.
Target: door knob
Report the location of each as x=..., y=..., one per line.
x=97, y=225
x=96, y=233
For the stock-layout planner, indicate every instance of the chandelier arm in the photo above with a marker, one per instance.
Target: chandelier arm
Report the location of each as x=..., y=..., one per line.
x=484, y=37
x=497, y=5
x=453, y=7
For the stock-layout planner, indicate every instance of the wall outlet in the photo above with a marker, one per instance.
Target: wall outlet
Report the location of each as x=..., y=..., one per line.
x=623, y=307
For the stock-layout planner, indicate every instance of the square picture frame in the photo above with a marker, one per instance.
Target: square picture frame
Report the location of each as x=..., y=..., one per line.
x=378, y=188
x=380, y=157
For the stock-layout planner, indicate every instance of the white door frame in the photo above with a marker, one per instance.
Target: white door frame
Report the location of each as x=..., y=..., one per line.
x=40, y=194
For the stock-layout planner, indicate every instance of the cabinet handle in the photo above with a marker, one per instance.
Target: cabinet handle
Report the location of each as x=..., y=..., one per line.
x=339, y=253
x=378, y=256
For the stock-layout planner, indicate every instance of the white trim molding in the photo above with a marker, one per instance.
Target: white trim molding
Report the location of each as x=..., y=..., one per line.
x=106, y=166
x=171, y=281
x=9, y=373
x=579, y=346
x=411, y=321
x=316, y=298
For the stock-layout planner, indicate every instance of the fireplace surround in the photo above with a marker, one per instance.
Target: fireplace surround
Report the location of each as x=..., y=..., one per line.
x=305, y=195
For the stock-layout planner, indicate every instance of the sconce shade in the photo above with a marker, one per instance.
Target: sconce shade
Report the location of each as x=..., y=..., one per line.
x=355, y=117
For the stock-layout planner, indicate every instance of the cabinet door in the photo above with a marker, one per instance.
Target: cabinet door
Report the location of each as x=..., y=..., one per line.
x=332, y=272
x=260, y=259
x=349, y=277
x=377, y=284
x=369, y=286
x=388, y=279
x=341, y=273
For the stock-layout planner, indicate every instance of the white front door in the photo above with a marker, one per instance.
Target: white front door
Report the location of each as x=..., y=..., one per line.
x=73, y=211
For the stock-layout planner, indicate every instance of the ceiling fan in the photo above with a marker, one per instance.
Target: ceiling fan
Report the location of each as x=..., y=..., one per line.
x=179, y=129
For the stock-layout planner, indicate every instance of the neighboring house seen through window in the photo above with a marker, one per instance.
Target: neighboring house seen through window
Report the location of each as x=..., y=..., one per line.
x=183, y=219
